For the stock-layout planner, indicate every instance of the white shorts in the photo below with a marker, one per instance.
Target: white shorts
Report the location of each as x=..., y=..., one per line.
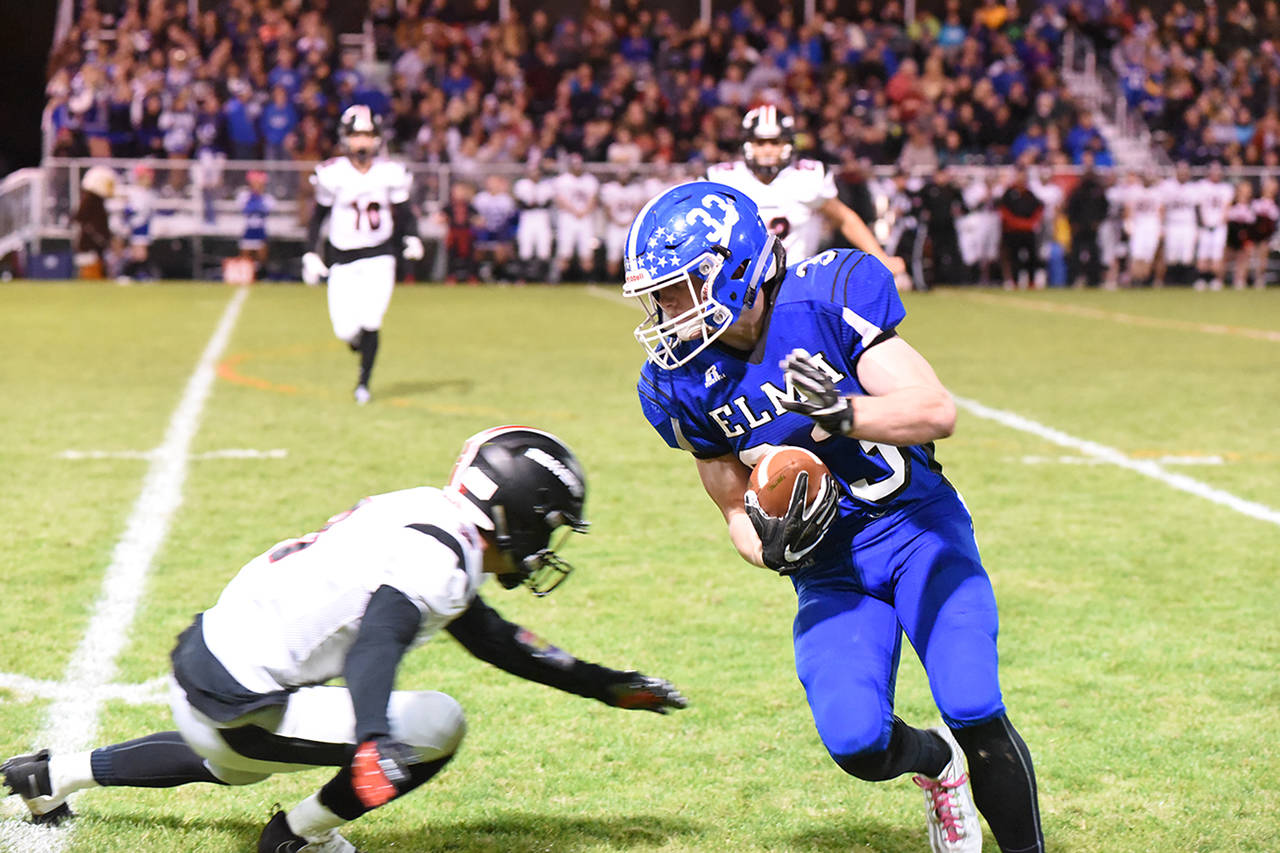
x=1144, y=237
x=533, y=235
x=615, y=240
x=1211, y=244
x=574, y=235
x=315, y=720
x=359, y=293
x=1180, y=243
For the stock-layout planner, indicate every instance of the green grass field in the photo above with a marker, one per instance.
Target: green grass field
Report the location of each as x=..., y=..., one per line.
x=1140, y=636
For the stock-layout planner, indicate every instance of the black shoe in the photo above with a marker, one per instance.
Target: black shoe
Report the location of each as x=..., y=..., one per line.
x=277, y=837
x=28, y=777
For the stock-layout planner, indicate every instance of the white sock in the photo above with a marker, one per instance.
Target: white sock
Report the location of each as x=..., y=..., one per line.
x=311, y=818
x=70, y=773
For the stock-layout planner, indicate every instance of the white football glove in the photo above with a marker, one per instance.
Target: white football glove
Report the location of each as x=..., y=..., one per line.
x=313, y=269
x=413, y=249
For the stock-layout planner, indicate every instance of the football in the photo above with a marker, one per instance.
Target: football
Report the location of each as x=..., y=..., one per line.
x=775, y=475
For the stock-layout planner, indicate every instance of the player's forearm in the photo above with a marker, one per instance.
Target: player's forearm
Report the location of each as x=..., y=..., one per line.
x=744, y=538
x=318, y=216
x=907, y=416
x=857, y=233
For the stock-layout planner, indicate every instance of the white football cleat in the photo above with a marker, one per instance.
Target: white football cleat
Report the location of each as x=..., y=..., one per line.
x=952, y=818
x=362, y=395
x=277, y=837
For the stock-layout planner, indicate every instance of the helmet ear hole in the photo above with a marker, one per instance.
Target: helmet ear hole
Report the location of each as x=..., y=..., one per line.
x=741, y=270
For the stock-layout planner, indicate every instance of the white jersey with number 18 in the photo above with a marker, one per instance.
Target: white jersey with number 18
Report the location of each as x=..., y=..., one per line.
x=361, y=202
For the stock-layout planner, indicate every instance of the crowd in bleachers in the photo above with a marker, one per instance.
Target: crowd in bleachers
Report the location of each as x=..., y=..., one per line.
x=1205, y=79
x=255, y=78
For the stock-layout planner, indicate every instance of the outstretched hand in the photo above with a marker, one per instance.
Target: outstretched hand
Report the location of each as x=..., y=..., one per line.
x=637, y=691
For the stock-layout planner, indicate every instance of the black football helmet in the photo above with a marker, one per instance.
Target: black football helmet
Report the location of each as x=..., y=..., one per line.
x=360, y=133
x=527, y=485
x=767, y=124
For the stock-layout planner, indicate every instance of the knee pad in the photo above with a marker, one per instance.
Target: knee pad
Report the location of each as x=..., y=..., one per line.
x=431, y=722
x=234, y=777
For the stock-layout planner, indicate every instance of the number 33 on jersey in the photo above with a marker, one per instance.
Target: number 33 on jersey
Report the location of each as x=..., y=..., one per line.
x=835, y=305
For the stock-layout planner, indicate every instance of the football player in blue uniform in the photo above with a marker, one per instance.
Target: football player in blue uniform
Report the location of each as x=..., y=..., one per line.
x=746, y=354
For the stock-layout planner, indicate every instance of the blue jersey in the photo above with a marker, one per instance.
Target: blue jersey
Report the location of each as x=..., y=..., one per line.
x=835, y=305
x=255, y=207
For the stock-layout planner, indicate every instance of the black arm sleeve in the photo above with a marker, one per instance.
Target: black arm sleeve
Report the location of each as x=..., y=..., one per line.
x=318, y=215
x=484, y=633
x=403, y=220
x=390, y=623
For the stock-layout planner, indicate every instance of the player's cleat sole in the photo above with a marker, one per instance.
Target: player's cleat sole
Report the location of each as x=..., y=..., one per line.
x=362, y=395
x=28, y=777
x=952, y=819
x=277, y=837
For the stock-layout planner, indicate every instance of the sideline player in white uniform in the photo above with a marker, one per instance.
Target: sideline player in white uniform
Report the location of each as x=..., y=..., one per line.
x=366, y=200
x=534, y=194
x=248, y=690
x=139, y=211
x=789, y=193
x=1143, y=215
x=621, y=198
x=978, y=231
x=575, y=197
x=1213, y=196
x=1178, y=199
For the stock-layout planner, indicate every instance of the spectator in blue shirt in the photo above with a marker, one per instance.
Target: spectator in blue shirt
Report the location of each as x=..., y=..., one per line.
x=277, y=121
x=1081, y=136
x=1032, y=139
x=285, y=73
x=242, y=130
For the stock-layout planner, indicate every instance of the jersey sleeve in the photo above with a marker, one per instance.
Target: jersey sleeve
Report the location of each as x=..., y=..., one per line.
x=400, y=182
x=864, y=290
x=326, y=193
x=426, y=564
x=826, y=189
x=664, y=415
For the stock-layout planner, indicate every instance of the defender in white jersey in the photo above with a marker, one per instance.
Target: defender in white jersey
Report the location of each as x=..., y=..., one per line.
x=575, y=195
x=1178, y=200
x=534, y=194
x=621, y=198
x=1213, y=197
x=249, y=691
x=794, y=197
x=365, y=199
x=1143, y=217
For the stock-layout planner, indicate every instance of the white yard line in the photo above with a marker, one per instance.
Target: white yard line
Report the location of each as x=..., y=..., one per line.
x=1116, y=316
x=1092, y=449
x=72, y=723
x=1110, y=455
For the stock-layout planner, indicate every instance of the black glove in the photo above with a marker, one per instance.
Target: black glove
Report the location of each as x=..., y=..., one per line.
x=785, y=541
x=822, y=402
x=635, y=691
x=380, y=770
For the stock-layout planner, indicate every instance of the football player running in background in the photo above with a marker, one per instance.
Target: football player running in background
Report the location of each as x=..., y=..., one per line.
x=887, y=545
x=365, y=199
x=248, y=689
x=792, y=194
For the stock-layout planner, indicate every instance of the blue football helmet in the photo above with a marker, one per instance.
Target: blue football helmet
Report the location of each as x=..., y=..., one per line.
x=709, y=238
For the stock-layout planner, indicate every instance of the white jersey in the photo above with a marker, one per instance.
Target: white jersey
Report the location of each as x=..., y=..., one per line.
x=621, y=202
x=787, y=203
x=575, y=193
x=1179, y=202
x=361, y=202
x=1213, y=198
x=291, y=615
x=1142, y=202
x=533, y=195
x=496, y=210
